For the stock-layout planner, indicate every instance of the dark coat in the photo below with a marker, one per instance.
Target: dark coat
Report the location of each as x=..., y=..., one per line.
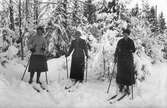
x=124, y=58
x=78, y=59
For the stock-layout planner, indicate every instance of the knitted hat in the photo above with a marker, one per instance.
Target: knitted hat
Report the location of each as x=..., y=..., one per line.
x=40, y=28
x=126, y=31
x=77, y=34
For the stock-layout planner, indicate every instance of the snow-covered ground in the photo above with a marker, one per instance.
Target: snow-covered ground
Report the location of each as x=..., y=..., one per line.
x=15, y=93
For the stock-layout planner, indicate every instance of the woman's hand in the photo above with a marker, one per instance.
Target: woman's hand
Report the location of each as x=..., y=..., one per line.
x=66, y=55
x=87, y=57
x=32, y=50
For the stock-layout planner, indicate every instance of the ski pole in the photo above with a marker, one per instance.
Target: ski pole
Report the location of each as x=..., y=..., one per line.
x=133, y=87
x=46, y=77
x=86, y=69
x=110, y=79
x=67, y=67
x=104, y=62
x=132, y=92
x=25, y=69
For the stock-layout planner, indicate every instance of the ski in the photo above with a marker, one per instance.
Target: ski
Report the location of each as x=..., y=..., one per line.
x=39, y=88
x=68, y=87
x=44, y=88
x=112, y=97
x=36, y=89
x=119, y=99
x=76, y=86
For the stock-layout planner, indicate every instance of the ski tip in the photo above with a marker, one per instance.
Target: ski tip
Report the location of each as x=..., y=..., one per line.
x=36, y=90
x=112, y=97
x=65, y=87
x=112, y=102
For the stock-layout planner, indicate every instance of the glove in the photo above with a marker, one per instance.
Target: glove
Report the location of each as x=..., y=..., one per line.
x=43, y=49
x=115, y=60
x=32, y=50
x=66, y=55
x=87, y=57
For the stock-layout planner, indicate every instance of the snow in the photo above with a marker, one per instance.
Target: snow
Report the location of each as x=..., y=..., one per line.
x=149, y=91
x=12, y=52
x=19, y=94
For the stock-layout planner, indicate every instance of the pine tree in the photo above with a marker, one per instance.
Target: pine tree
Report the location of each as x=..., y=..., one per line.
x=145, y=9
x=152, y=18
x=162, y=24
x=89, y=11
x=135, y=10
x=77, y=13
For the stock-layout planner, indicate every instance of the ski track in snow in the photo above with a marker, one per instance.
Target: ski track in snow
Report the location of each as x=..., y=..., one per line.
x=19, y=94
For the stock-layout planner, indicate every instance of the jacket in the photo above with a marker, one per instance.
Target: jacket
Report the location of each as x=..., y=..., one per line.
x=38, y=44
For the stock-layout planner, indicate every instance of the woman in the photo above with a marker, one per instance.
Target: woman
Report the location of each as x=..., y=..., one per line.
x=78, y=58
x=124, y=58
x=38, y=63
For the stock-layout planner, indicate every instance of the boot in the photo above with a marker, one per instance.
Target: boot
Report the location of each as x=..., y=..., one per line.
x=127, y=91
x=30, y=81
x=38, y=77
x=121, y=88
x=31, y=77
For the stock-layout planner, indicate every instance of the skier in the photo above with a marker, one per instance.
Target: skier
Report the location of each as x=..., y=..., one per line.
x=78, y=58
x=125, y=68
x=38, y=63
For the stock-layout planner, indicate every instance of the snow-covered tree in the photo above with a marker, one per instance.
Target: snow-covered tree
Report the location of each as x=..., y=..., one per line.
x=135, y=11
x=89, y=11
x=152, y=18
x=11, y=15
x=162, y=23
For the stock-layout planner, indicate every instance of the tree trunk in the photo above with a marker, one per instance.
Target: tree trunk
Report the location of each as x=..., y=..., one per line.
x=27, y=11
x=11, y=16
x=20, y=31
x=36, y=11
x=65, y=8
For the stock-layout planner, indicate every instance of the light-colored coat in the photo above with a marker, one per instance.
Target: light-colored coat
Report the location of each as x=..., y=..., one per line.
x=37, y=42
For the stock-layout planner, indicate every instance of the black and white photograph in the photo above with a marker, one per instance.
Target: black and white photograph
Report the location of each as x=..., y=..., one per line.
x=83, y=54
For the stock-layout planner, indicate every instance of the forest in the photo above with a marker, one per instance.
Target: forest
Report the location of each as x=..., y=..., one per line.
x=101, y=23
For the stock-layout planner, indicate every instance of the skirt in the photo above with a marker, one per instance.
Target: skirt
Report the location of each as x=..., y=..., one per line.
x=77, y=68
x=125, y=72
x=38, y=63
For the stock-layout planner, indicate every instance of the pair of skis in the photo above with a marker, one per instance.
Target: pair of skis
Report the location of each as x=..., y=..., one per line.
x=111, y=100
x=40, y=88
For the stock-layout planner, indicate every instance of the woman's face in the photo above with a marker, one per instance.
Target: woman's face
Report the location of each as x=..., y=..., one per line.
x=40, y=32
x=125, y=34
x=77, y=35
